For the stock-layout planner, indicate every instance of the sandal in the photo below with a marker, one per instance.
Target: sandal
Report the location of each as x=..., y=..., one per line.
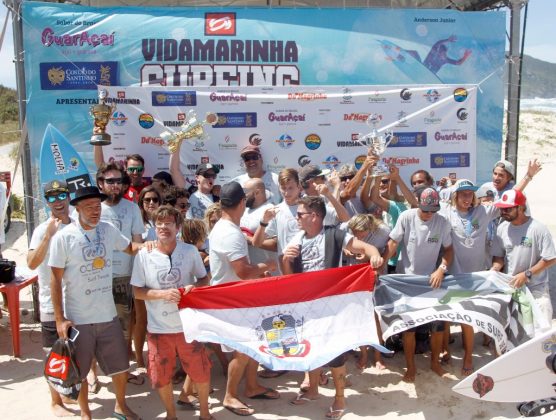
x=94, y=388
x=135, y=379
x=335, y=414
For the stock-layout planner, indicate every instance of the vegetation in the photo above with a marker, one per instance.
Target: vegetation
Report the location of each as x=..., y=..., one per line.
x=539, y=78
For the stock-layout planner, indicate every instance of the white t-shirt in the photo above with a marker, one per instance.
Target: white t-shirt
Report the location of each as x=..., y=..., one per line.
x=421, y=242
x=199, y=203
x=126, y=217
x=469, y=237
x=86, y=257
x=522, y=247
x=43, y=270
x=284, y=225
x=227, y=244
x=250, y=220
x=270, y=180
x=155, y=270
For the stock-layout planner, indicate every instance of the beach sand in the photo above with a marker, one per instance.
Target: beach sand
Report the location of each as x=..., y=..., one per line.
x=374, y=394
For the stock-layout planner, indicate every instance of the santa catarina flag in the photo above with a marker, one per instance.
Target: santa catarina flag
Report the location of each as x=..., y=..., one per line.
x=483, y=300
x=294, y=322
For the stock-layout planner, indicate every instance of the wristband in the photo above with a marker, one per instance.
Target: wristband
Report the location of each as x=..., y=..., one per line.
x=263, y=224
x=443, y=267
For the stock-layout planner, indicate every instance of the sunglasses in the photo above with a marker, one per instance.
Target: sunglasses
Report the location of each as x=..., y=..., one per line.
x=247, y=158
x=346, y=178
x=135, y=169
x=150, y=200
x=112, y=181
x=384, y=181
x=184, y=206
x=60, y=197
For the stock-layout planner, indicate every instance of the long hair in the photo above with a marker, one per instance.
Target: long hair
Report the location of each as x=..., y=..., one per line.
x=144, y=191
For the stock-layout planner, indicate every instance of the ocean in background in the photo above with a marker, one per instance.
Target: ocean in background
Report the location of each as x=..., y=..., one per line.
x=538, y=104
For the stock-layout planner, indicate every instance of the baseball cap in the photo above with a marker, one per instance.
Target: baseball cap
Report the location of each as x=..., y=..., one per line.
x=231, y=194
x=205, y=167
x=428, y=198
x=55, y=186
x=511, y=198
x=507, y=166
x=464, y=185
x=250, y=149
x=311, y=171
x=485, y=191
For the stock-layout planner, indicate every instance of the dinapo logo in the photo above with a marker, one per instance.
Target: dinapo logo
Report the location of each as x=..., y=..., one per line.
x=255, y=139
x=313, y=141
x=220, y=24
x=332, y=162
x=405, y=94
x=460, y=94
x=462, y=114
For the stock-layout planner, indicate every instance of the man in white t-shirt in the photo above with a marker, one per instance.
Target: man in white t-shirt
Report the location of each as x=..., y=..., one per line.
x=80, y=259
x=524, y=248
x=229, y=261
x=254, y=168
x=158, y=278
x=56, y=195
x=203, y=198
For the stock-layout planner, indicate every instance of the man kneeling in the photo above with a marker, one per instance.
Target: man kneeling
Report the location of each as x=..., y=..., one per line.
x=156, y=278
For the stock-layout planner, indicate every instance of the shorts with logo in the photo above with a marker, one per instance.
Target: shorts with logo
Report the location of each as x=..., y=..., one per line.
x=163, y=349
x=105, y=342
x=49, y=334
x=123, y=298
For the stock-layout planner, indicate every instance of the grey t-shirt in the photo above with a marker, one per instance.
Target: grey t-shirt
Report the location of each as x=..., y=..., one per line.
x=421, y=242
x=522, y=247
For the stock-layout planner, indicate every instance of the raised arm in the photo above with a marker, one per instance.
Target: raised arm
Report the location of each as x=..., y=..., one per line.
x=406, y=192
x=175, y=171
x=533, y=168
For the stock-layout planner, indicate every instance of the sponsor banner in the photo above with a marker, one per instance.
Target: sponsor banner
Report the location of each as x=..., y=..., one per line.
x=297, y=322
x=450, y=160
x=176, y=98
x=484, y=300
x=78, y=75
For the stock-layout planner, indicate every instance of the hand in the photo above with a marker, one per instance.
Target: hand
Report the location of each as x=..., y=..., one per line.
x=62, y=327
x=361, y=258
x=171, y=295
x=322, y=189
x=150, y=245
x=52, y=227
x=376, y=261
x=534, y=167
x=291, y=252
x=394, y=172
x=444, y=181
x=436, y=278
x=271, y=265
x=348, y=253
x=519, y=280
x=270, y=214
x=334, y=178
x=187, y=289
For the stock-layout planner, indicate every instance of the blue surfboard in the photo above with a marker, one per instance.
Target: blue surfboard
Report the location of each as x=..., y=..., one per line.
x=59, y=160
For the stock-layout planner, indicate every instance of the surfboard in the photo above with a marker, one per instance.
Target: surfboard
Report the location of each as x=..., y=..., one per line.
x=407, y=63
x=59, y=160
x=517, y=376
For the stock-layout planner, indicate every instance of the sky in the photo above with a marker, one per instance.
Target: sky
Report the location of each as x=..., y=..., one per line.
x=540, y=37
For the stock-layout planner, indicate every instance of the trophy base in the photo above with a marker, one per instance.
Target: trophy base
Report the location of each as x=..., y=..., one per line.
x=380, y=170
x=100, y=139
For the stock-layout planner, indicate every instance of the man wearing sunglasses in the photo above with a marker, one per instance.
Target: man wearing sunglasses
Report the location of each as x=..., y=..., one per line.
x=56, y=195
x=254, y=168
x=200, y=200
x=126, y=217
x=422, y=234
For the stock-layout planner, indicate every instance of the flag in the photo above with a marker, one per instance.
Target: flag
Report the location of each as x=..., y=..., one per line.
x=483, y=300
x=294, y=322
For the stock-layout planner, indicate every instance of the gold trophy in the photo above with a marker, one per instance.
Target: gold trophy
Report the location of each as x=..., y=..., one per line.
x=101, y=114
x=191, y=129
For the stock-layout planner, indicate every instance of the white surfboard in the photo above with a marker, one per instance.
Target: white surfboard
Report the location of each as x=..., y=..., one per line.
x=520, y=375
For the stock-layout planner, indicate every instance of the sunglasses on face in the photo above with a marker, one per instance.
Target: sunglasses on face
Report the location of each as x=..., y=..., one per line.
x=183, y=206
x=135, y=169
x=150, y=200
x=60, y=197
x=346, y=178
x=384, y=181
x=112, y=181
x=247, y=158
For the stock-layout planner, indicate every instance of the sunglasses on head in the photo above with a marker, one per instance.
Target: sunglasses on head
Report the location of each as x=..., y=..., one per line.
x=247, y=158
x=135, y=169
x=59, y=197
x=150, y=200
x=112, y=181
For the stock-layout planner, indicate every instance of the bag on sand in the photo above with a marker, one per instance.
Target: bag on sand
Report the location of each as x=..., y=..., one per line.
x=61, y=370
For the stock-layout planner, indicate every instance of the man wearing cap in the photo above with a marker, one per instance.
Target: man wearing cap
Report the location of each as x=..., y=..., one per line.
x=503, y=176
x=56, y=194
x=229, y=261
x=524, y=248
x=423, y=234
x=81, y=260
x=203, y=198
x=253, y=162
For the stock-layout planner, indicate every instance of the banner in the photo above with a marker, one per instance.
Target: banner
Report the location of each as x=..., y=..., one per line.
x=435, y=129
x=70, y=49
x=295, y=322
x=483, y=300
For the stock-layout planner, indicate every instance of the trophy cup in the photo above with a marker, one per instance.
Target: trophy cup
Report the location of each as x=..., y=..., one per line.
x=377, y=144
x=191, y=129
x=101, y=114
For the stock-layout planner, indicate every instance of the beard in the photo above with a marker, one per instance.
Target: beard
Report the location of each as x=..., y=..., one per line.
x=250, y=202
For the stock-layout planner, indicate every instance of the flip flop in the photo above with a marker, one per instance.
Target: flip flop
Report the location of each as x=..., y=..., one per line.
x=267, y=394
x=301, y=399
x=335, y=414
x=189, y=405
x=267, y=373
x=135, y=379
x=121, y=416
x=93, y=388
x=240, y=411
x=466, y=371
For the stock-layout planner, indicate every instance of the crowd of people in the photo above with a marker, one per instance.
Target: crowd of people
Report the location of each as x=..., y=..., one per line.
x=115, y=266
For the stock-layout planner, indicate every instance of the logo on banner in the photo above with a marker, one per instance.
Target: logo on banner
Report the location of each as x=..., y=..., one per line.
x=57, y=366
x=307, y=96
x=255, y=139
x=432, y=95
x=313, y=141
x=79, y=75
x=236, y=120
x=401, y=161
x=285, y=141
x=405, y=95
x=227, y=145
x=174, y=98
x=354, y=116
x=280, y=336
x=119, y=119
x=450, y=136
x=220, y=24
x=346, y=96
x=227, y=97
x=332, y=162
x=83, y=38
x=376, y=97
x=460, y=94
x=303, y=160
x=402, y=120
x=359, y=160
x=152, y=140
x=432, y=119
x=462, y=114
x=450, y=160
x=410, y=139
x=290, y=117
x=146, y=120
x=354, y=142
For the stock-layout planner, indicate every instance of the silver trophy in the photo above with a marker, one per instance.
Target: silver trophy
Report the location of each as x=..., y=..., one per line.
x=191, y=129
x=377, y=144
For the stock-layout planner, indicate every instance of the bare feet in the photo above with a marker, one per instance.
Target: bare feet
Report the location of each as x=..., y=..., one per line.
x=409, y=376
x=60, y=411
x=379, y=365
x=436, y=368
x=237, y=407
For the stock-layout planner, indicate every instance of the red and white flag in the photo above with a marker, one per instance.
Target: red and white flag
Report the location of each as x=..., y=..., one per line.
x=294, y=322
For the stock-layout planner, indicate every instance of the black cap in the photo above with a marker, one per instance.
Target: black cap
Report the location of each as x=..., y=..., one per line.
x=164, y=176
x=55, y=186
x=231, y=194
x=87, y=192
x=205, y=167
x=311, y=171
